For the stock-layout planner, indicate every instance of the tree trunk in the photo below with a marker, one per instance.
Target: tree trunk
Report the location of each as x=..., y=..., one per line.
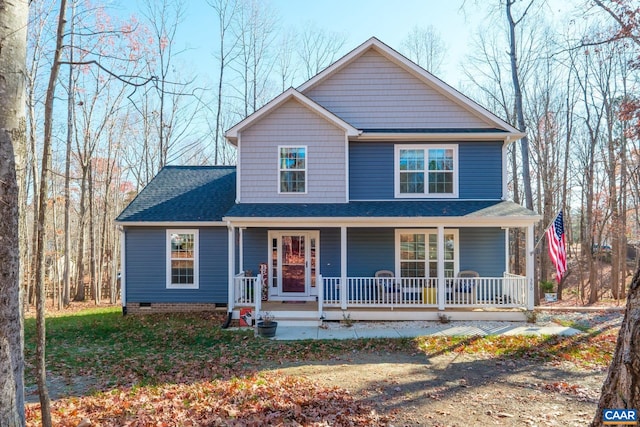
x=621, y=389
x=80, y=289
x=515, y=77
x=516, y=198
x=95, y=289
x=66, y=291
x=13, y=37
x=41, y=376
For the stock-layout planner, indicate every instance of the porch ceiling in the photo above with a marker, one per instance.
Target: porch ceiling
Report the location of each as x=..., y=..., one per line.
x=472, y=213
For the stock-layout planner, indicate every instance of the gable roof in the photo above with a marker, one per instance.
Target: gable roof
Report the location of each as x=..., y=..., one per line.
x=427, y=78
x=291, y=93
x=184, y=194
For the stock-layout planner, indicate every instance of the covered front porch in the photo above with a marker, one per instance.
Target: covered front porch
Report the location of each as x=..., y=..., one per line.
x=395, y=298
x=332, y=266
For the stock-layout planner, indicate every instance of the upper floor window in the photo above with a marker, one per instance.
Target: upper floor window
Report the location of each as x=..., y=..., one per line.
x=182, y=259
x=292, y=169
x=426, y=171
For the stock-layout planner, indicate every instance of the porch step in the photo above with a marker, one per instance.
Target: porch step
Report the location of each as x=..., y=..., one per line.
x=296, y=318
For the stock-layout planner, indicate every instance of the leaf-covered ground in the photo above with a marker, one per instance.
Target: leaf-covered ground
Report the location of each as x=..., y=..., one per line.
x=182, y=369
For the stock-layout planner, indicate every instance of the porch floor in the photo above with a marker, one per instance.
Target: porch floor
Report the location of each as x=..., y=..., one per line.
x=396, y=330
x=291, y=313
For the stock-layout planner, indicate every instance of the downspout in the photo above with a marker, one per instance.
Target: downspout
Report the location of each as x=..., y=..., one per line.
x=227, y=322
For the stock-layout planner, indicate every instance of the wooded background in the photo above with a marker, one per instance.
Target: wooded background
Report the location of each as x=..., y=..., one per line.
x=110, y=101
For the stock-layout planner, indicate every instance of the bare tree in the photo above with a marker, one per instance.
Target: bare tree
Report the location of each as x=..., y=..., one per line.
x=285, y=67
x=45, y=404
x=13, y=42
x=255, y=31
x=227, y=11
x=425, y=47
x=621, y=388
x=318, y=48
x=517, y=87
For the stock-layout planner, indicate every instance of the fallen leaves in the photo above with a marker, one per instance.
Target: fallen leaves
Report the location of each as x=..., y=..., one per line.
x=258, y=400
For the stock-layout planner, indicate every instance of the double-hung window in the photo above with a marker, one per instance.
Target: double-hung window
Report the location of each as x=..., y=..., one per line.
x=418, y=253
x=182, y=259
x=292, y=169
x=426, y=171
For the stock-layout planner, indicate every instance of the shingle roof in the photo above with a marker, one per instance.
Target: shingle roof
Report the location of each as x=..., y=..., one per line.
x=184, y=193
x=400, y=209
x=207, y=193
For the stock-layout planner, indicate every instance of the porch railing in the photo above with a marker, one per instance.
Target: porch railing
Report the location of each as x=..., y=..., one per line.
x=403, y=292
x=507, y=291
x=244, y=290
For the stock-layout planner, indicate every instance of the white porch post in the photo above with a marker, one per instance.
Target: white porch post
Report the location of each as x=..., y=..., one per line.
x=441, y=283
x=240, y=249
x=530, y=267
x=506, y=249
x=232, y=263
x=343, y=267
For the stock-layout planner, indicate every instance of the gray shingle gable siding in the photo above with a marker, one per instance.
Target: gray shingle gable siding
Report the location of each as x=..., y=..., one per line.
x=184, y=193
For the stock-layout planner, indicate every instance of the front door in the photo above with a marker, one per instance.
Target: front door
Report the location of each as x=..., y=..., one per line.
x=293, y=264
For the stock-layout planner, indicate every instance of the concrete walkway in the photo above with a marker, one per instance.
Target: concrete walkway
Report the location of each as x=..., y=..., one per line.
x=388, y=330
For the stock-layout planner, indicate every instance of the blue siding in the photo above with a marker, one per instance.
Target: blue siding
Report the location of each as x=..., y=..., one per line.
x=371, y=170
x=330, y=252
x=482, y=250
x=255, y=248
x=370, y=250
x=146, y=267
x=480, y=170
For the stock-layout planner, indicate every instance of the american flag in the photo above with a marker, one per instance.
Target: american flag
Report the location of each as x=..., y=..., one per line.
x=557, y=248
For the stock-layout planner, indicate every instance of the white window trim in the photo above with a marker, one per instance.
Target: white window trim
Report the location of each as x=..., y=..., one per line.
x=306, y=170
x=196, y=258
x=426, y=232
x=426, y=194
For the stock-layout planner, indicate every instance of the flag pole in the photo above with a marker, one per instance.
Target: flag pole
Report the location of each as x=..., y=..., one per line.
x=544, y=233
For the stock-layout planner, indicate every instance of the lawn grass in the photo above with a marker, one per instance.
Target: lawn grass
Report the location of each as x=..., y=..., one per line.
x=159, y=369
x=160, y=348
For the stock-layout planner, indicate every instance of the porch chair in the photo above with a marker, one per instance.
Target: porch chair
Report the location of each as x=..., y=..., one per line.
x=385, y=281
x=465, y=291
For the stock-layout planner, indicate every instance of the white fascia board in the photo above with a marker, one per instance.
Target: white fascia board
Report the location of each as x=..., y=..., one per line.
x=394, y=222
x=416, y=70
x=461, y=136
x=291, y=93
x=171, y=223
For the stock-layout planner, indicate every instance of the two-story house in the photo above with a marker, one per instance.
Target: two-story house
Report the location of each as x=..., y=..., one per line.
x=373, y=189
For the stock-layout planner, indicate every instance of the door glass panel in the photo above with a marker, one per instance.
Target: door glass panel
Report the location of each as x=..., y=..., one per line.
x=293, y=263
x=274, y=263
x=313, y=262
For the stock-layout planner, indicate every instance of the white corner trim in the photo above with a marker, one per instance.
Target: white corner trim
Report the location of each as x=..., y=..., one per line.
x=123, y=266
x=238, y=169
